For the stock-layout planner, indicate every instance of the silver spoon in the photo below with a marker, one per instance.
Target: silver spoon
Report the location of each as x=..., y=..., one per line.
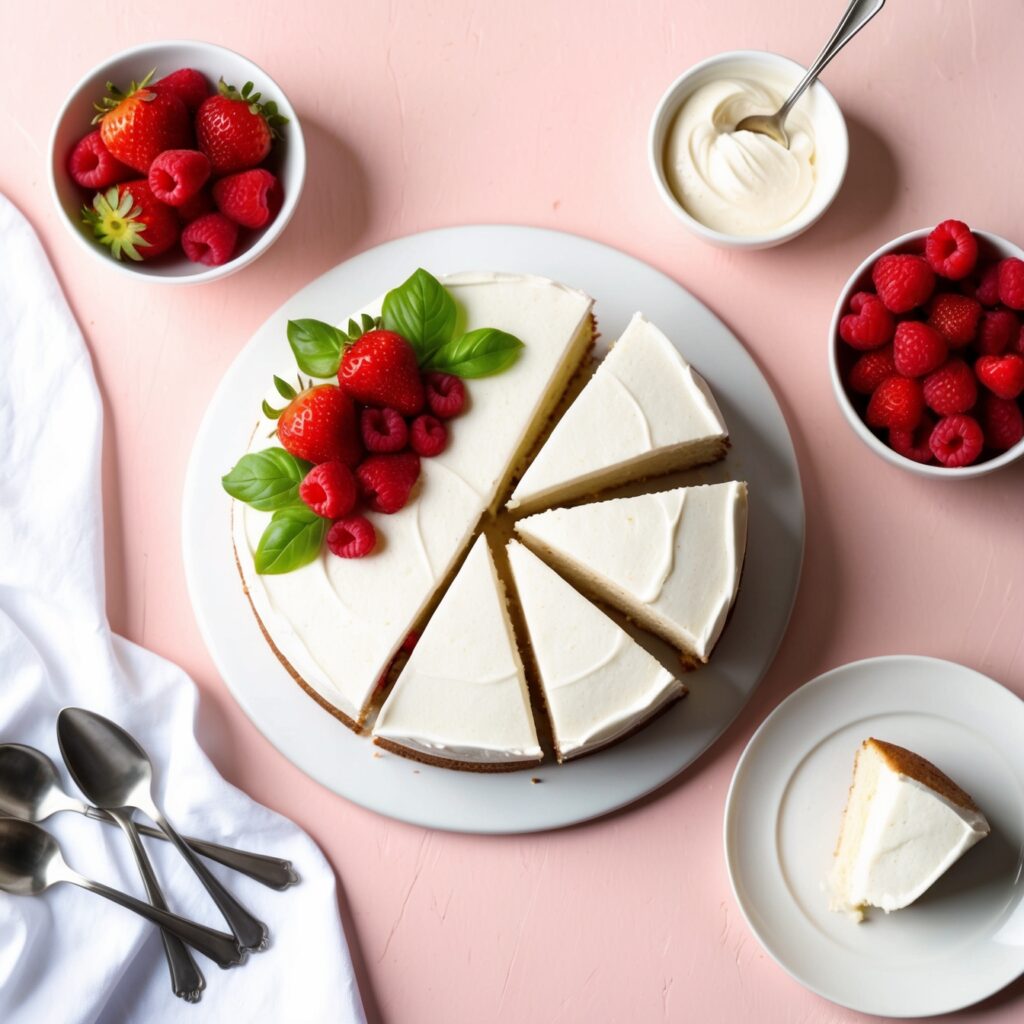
x=120, y=775
x=30, y=789
x=857, y=15
x=31, y=861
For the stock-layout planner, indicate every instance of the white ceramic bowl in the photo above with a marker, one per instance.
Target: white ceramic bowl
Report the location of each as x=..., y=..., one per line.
x=287, y=159
x=832, y=147
x=841, y=357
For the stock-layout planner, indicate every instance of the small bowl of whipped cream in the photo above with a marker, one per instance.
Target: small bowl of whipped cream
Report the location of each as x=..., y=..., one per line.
x=743, y=189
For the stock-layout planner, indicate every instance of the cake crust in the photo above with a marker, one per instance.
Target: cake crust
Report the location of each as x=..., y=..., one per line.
x=482, y=767
x=906, y=762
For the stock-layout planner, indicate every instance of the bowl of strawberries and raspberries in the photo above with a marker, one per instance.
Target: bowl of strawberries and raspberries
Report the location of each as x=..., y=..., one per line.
x=927, y=351
x=179, y=161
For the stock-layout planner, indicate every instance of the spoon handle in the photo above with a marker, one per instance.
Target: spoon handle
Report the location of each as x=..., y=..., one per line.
x=857, y=15
x=222, y=949
x=249, y=930
x=187, y=980
x=271, y=871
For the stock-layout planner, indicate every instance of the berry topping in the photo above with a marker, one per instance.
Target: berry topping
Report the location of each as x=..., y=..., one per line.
x=956, y=316
x=176, y=175
x=131, y=220
x=903, y=281
x=210, y=239
x=352, y=537
x=1002, y=422
x=914, y=444
x=987, y=292
x=330, y=490
x=997, y=331
x=189, y=85
x=380, y=368
x=951, y=388
x=918, y=349
x=870, y=325
x=1002, y=375
x=428, y=435
x=951, y=250
x=871, y=369
x=446, y=395
x=383, y=430
x=957, y=440
x=318, y=425
x=387, y=480
x=896, y=404
x=234, y=129
x=93, y=166
x=1011, y=283
x=250, y=198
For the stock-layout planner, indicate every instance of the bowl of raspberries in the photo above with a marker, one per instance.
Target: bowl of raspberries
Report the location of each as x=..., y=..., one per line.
x=178, y=161
x=927, y=351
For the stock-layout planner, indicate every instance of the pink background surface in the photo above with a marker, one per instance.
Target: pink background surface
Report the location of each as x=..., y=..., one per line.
x=425, y=114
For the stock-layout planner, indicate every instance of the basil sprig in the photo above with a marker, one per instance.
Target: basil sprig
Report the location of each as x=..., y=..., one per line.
x=480, y=353
x=422, y=312
x=268, y=480
x=293, y=538
x=317, y=346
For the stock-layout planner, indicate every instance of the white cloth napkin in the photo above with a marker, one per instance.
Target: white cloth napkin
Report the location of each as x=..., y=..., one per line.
x=69, y=955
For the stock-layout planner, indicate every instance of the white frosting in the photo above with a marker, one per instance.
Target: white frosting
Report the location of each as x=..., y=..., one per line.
x=741, y=183
x=598, y=682
x=339, y=621
x=672, y=559
x=644, y=400
x=462, y=694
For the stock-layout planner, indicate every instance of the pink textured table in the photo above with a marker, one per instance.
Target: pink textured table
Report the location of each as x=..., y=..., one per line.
x=436, y=112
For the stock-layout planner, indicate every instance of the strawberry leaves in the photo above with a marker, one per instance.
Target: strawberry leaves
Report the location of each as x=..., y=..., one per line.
x=480, y=353
x=292, y=539
x=268, y=480
x=422, y=312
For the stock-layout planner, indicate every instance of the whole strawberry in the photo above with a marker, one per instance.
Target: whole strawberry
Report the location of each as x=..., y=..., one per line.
x=318, y=424
x=234, y=129
x=138, y=125
x=189, y=85
x=380, y=369
x=132, y=221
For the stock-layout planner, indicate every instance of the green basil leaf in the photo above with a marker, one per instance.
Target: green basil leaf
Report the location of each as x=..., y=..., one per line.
x=317, y=346
x=293, y=538
x=267, y=480
x=422, y=312
x=480, y=353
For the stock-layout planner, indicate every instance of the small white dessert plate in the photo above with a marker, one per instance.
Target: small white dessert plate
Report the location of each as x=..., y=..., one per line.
x=351, y=765
x=964, y=938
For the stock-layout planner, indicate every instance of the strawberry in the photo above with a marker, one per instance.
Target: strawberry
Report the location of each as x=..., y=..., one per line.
x=1002, y=375
x=234, y=129
x=132, y=221
x=189, y=85
x=380, y=368
x=318, y=424
x=897, y=404
x=140, y=124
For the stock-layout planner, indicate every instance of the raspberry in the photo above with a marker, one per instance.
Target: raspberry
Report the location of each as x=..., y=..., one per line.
x=998, y=328
x=250, y=198
x=951, y=250
x=957, y=441
x=1002, y=375
x=189, y=85
x=446, y=395
x=871, y=369
x=210, y=239
x=951, y=388
x=987, y=292
x=352, y=537
x=896, y=403
x=1011, y=283
x=428, y=435
x=913, y=444
x=870, y=325
x=176, y=175
x=330, y=490
x=903, y=281
x=383, y=430
x=194, y=208
x=387, y=480
x=93, y=166
x=956, y=316
x=1018, y=345
x=918, y=349
x=1002, y=422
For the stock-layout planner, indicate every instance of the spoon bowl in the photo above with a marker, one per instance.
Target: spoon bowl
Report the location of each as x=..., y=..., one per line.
x=30, y=787
x=30, y=858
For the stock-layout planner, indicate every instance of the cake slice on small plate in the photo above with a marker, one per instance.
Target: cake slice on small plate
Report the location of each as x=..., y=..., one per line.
x=645, y=412
x=599, y=684
x=461, y=701
x=905, y=825
x=671, y=560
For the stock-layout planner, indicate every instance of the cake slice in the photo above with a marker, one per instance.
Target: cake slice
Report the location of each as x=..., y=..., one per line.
x=599, y=684
x=905, y=825
x=644, y=412
x=461, y=701
x=671, y=560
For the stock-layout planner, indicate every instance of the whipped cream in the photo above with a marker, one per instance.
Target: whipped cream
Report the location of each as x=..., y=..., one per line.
x=741, y=183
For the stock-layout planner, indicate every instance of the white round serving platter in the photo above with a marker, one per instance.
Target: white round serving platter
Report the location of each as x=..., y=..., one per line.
x=307, y=735
x=964, y=938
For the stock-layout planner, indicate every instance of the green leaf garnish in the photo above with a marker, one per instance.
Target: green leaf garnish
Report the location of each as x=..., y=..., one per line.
x=291, y=540
x=480, y=353
x=422, y=312
x=267, y=480
x=317, y=346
